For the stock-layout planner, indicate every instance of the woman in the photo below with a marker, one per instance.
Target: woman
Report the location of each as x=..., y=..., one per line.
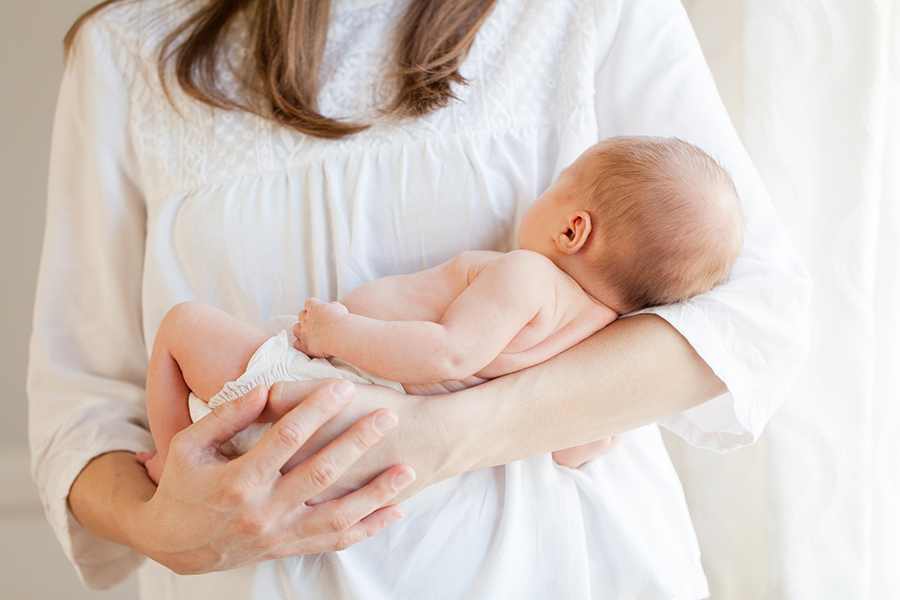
x=395, y=158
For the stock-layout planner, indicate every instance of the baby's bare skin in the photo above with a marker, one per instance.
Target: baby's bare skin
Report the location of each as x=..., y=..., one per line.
x=487, y=314
x=479, y=316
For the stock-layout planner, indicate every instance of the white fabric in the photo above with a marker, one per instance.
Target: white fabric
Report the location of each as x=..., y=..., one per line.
x=149, y=206
x=813, y=510
x=277, y=360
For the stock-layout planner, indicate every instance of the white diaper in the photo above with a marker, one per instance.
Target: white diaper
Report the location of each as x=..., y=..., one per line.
x=277, y=360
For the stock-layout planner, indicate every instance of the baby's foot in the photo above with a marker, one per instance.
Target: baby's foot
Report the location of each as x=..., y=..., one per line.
x=153, y=462
x=577, y=456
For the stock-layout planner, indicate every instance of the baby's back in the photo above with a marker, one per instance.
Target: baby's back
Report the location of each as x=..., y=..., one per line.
x=554, y=311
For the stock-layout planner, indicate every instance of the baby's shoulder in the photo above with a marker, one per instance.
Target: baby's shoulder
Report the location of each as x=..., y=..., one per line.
x=471, y=258
x=538, y=272
x=468, y=265
x=523, y=271
x=516, y=270
x=527, y=262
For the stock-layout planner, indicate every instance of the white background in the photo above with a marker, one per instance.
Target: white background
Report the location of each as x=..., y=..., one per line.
x=31, y=564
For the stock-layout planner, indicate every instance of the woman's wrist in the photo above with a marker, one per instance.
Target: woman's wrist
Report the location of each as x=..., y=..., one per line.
x=436, y=439
x=108, y=495
x=133, y=506
x=446, y=435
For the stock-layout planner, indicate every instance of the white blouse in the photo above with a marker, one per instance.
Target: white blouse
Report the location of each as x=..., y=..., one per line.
x=150, y=206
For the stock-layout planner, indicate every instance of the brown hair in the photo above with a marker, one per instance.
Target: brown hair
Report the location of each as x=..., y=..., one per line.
x=288, y=38
x=668, y=217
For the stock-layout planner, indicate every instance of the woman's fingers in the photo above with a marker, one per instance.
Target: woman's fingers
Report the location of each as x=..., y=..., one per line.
x=206, y=503
x=364, y=528
x=340, y=517
x=321, y=470
x=284, y=396
x=216, y=428
x=264, y=461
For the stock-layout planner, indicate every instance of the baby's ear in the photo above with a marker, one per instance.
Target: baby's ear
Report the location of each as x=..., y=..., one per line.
x=575, y=233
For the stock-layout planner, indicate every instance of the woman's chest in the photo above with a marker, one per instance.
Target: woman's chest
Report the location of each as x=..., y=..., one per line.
x=326, y=227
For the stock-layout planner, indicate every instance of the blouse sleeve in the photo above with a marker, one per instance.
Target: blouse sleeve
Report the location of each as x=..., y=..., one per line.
x=753, y=330
x=87, y=362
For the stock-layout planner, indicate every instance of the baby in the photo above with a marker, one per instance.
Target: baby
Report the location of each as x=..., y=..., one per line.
x=633, y=222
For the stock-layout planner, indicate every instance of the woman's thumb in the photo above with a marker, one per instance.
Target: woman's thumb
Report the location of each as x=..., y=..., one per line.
x=228, y=419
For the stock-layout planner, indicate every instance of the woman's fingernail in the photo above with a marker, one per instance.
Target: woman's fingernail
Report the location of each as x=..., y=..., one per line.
x=252, y=397
x=402, y=480
x=342, y=391
x=384, y=423
x=393, y=519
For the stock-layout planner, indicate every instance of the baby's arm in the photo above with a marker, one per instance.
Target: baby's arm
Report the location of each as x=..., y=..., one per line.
x=197, y=348
x=479, y=324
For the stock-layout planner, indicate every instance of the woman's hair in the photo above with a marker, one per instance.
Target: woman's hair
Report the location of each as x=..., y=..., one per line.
x=288, y=40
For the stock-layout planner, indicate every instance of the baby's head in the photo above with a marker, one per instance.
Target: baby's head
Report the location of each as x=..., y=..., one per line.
x=649, y=221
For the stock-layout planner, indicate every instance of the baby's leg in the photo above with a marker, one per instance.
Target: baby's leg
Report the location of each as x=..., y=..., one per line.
x=198, y=348
x=577, y=456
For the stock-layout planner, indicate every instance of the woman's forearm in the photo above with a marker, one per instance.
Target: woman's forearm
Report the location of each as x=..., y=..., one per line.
x=634, y=372
x=104, y=496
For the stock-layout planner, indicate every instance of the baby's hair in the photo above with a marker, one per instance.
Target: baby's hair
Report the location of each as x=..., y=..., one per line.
x=667, y=215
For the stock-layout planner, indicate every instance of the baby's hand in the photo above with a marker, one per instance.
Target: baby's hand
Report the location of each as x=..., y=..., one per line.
x=313, y=330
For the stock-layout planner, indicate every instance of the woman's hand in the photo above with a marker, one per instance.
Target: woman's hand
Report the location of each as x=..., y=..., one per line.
x=210, y=513
x=424, y=440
